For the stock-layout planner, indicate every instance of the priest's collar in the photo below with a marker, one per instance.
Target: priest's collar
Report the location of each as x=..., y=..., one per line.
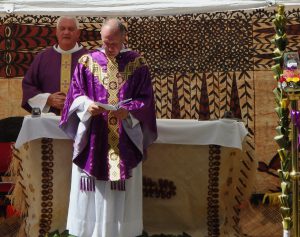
x=76, y=48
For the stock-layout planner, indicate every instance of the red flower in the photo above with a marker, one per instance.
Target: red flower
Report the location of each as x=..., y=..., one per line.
x=282, y=79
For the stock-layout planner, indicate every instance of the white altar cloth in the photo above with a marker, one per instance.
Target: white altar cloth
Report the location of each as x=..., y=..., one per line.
x=223, y=132
x=201, y=174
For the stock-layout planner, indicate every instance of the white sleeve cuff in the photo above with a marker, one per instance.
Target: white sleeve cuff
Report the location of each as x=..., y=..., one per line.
x=40, y=101
x=83, y=103
x=132, y=121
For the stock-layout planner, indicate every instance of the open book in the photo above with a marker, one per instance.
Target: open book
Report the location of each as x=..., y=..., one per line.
x=113, y=107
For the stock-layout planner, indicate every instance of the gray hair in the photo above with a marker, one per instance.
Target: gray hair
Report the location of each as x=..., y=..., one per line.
x=69, y=18
x=115, y=23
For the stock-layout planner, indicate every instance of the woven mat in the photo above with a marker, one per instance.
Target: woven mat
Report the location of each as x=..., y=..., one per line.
x=9, y=227
x=261, y=221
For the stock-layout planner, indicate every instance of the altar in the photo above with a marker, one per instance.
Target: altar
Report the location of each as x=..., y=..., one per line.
x=194, y=180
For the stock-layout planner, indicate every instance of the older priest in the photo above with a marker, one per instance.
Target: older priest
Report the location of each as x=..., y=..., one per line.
x=47, y=80
x=110, y=113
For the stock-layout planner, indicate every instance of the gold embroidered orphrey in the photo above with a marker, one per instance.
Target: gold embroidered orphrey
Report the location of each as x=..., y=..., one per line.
x=65, y=72
x=98, y=72
x=113, y=124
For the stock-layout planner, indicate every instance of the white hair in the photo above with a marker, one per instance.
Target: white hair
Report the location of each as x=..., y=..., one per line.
x=69, y=18
x=116, y=24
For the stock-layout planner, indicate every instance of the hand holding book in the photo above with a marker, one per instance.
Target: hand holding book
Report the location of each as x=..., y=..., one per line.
x=113, y=107
x=119, y=112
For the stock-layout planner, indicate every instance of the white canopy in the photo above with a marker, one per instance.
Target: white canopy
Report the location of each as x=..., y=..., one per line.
x=132, y=7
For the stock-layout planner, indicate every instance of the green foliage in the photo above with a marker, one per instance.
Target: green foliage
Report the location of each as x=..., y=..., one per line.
x=282, y=138
x=278, y=96
x=277, y=69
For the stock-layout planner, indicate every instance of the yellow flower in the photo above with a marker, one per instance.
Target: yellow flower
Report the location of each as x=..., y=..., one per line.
x=293, y=79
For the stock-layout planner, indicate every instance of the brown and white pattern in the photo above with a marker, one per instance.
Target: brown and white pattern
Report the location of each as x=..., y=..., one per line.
x=202, y=65
x=47, y=186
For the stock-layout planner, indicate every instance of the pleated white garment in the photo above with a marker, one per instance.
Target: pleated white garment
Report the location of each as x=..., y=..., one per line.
x=106, y=212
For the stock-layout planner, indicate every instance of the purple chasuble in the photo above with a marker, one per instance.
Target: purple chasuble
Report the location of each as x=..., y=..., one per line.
x=43, y=75
x=90, y=79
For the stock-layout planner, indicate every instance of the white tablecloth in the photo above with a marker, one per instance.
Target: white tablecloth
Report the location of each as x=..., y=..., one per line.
x=223, y=132
x=201, y=175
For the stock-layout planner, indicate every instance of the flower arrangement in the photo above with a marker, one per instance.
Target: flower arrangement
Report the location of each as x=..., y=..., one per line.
x=290, y=78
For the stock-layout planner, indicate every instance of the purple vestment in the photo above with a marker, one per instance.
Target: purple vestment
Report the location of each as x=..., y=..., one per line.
x=43, y=75
x=89, y=80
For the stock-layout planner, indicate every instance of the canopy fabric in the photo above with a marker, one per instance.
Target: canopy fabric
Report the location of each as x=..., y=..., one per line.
x=132, y=7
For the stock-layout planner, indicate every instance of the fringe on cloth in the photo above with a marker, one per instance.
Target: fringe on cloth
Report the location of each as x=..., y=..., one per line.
x=87, y=184
x=17, y=196
x=118, y=185
x=15, y=165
